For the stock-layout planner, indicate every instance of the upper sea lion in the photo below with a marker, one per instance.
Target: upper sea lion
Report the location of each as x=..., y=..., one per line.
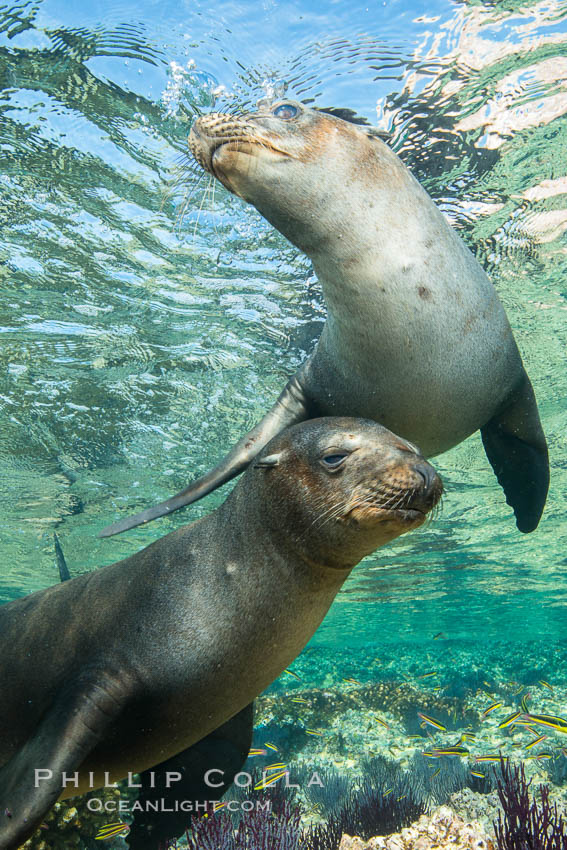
x=154, y=660
x=416, y=337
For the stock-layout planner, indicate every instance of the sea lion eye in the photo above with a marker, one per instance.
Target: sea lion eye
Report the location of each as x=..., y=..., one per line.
x=333, y=461
x=285, y=111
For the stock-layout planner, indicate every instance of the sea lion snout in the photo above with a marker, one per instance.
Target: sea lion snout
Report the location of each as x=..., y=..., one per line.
x=428, y=488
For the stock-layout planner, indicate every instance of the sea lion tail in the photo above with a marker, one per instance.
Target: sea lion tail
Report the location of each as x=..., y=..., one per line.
x=291, y=407
x=516, y=448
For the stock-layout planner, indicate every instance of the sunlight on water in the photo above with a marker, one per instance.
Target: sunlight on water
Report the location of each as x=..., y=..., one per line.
x=148, y=318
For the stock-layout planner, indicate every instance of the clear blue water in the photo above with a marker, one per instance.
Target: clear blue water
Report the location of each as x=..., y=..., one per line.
x=147, y=318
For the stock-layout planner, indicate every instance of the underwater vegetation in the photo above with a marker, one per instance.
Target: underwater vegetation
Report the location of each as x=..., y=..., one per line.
x=257, y=830
x=526, y=823
x=382, y=801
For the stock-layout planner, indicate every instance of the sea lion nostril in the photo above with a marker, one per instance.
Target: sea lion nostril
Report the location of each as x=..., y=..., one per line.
x=427, y=473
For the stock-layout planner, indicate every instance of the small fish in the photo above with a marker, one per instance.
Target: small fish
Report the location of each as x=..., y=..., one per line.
x=478, y=773
x=437, y=688
x=314, y=732
x=351, y=681
x=545, y=685
x=111, y=830
x=436, y=773
x=491, y=708
x=314, y=810
x=509, y=720
x=519, y=691
x=383, y=723
x=431, y=754
x=269, y=780
x=524, y=703
x=301, y=700
x=291, y=673
x=438, y=636
x=389, y=791
x=537, y=741
x=271, y=747
x=539, y=756
x=218, y=804
x=403, y=797
x=549, y=720
x=489, y=758
x=451, y=751
x=257, y=752
x=275, y=766
x=428, y=675
x=431, y=722
x=466, y=736
x=415, y=737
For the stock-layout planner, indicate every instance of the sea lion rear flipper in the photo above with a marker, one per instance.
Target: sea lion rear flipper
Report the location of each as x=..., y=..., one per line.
x=224, y=751
x=516, y=448
x=31, y=781
x=291, y=407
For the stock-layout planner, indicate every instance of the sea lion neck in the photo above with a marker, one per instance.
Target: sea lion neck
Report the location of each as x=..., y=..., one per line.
x=274, y=536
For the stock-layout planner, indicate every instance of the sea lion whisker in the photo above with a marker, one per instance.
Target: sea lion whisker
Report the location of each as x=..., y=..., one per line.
x=325, y=516
x=185, y=203
x=203, y=199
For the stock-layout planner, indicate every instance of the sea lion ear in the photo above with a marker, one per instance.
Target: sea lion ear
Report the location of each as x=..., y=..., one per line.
x=268, y=461
x=375, y=133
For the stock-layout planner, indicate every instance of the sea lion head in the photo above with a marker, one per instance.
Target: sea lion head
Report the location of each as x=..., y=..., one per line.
x=338, y=488
x=288, y=161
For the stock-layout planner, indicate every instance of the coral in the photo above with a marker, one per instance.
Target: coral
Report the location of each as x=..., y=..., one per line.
x=383, y=803
x=70, y=823
x=526, y=824
x=332, y=793
x=471, y=805
x=258, y=830
x=443, y=830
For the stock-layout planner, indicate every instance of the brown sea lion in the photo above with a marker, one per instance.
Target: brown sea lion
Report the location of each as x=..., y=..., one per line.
x=137, y=663
x=415, y=337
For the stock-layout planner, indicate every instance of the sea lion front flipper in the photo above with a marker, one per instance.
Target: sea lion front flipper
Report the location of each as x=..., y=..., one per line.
x=64, y=573
x=225, y=750
x=516, y=448
x=31, y=781
x=291, y=407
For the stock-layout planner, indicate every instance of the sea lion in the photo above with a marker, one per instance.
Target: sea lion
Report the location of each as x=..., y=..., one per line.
x=132, y=665
x=415, y=338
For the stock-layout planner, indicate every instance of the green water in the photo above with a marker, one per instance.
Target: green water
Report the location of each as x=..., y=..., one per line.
x=148, y=318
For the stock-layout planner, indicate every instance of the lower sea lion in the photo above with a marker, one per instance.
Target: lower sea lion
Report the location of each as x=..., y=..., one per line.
x=415, y=337
x=138, y=663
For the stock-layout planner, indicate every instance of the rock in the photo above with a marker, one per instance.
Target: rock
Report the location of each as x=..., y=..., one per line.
x=441, y=830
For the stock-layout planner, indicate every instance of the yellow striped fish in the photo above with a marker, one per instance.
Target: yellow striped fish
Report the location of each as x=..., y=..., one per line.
x=430, y=721
x=509, y=720
x=291, y=673
x=269, y=780
x=549, y=720
x=111, y=830
x=491, y=708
